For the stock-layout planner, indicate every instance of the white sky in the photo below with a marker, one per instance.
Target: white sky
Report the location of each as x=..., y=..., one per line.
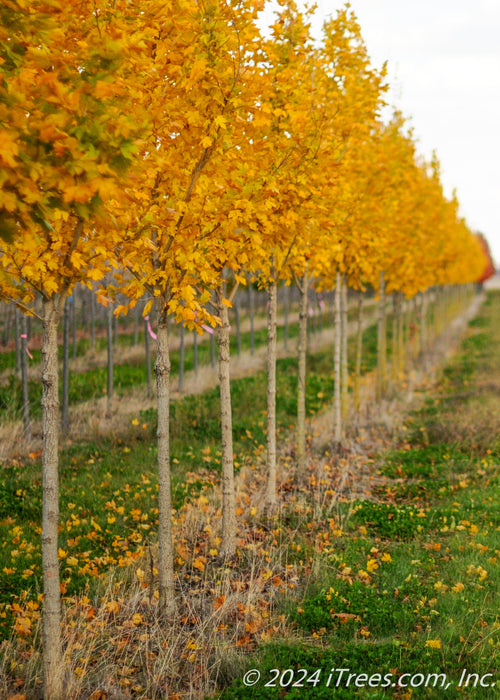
x=444, y=71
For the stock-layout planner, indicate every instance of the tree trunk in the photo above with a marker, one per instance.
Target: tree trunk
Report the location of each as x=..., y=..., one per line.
x=345, y=375
x=51, y=623
x=251, y=310
x=286, y=307
x=301, y=384
x=24, y=376
x=167, y=605
x=65, y=377
x=136, y=324
x=17, y=326
x=238, y=325
x=271, y=395
x=92, y=320
x=109, y=333
x=73, y=318
x=147, y=349
x=195, y=352
x=337, y=403
x=381, y=342
x=228, y=544
x=423, y=329
x=182, y=353
x=359, y=353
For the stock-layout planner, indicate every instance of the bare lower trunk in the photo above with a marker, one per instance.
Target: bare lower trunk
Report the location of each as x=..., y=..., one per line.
x=301, y=385
x=167, y=604
x=147, y=349
x=345, y=376
x=65, y=377
x=271, y=396
x=109, y=332
x=251, y=311
x=228, y=544
x=51, y=625
x=337, y=403
x=195, y=351
x=381, y=342
x=17, y=327
x=92, y=320
x=286, y=305
x=182, y=354
x=423, y=328
x=359, y=352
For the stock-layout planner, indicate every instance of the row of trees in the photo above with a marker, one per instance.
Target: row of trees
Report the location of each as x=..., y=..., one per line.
x=174, y=145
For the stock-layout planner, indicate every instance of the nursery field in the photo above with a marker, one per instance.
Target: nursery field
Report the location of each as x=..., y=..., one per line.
x=384, y=562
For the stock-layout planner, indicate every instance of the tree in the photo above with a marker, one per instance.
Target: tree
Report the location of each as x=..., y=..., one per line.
x=66, y=138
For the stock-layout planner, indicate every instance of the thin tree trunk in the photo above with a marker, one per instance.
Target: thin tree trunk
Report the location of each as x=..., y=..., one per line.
x=251, y=310
x=345, y=375
x=195, y=352
x=337, y=403
x=166, y=601
x=423, y=329
x=136, y=325
x=73, y=318
x=92, y=320
x=65, y=377
x=228, y=544
x=286, y=307
x=301, y=384
x=109, y=333
x=381, y=342
x=238, y=325
x=182, y=353
x=51, y=622
x=147, y=349
x=213, y=359
x=359, y=353
x=401, y=336
x=24, y=375
x=271, y=395
x=17, y=326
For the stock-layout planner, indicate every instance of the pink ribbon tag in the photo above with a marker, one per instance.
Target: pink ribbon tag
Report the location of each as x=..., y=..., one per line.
x=150, y=330
x=23, y=335
x=311, y=311
x=321, y=304
x=207, y=329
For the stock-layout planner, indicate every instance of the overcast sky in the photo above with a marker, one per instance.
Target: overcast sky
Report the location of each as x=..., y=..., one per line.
x=444, y=70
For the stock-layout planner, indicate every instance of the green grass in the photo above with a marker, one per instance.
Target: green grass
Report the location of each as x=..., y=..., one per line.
x=412, y=586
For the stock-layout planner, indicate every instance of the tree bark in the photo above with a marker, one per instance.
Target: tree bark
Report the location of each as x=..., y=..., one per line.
x=167, y=605
x=24, y=376
x=51, y=623
x=271, y=395
x=92, y=320
x=228, y=544
x=238, y=325
x=195, y=351
x=301, y=383
x=251, y=310
x=286, y=307
x=182, y=354
x=345, y=375
x=381, y=342
x=109, y=333
x=73, y=319
x=147, y=349
x=65, y=377
x=359, y=353
x=17, y=326
x=337, y=402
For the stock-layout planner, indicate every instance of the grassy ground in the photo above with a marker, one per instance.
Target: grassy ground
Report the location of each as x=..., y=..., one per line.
x=412, y=585
x=370, y=585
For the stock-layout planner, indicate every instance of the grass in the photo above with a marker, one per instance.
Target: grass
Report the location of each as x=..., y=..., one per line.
x=369, y=585
x=412, y=584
